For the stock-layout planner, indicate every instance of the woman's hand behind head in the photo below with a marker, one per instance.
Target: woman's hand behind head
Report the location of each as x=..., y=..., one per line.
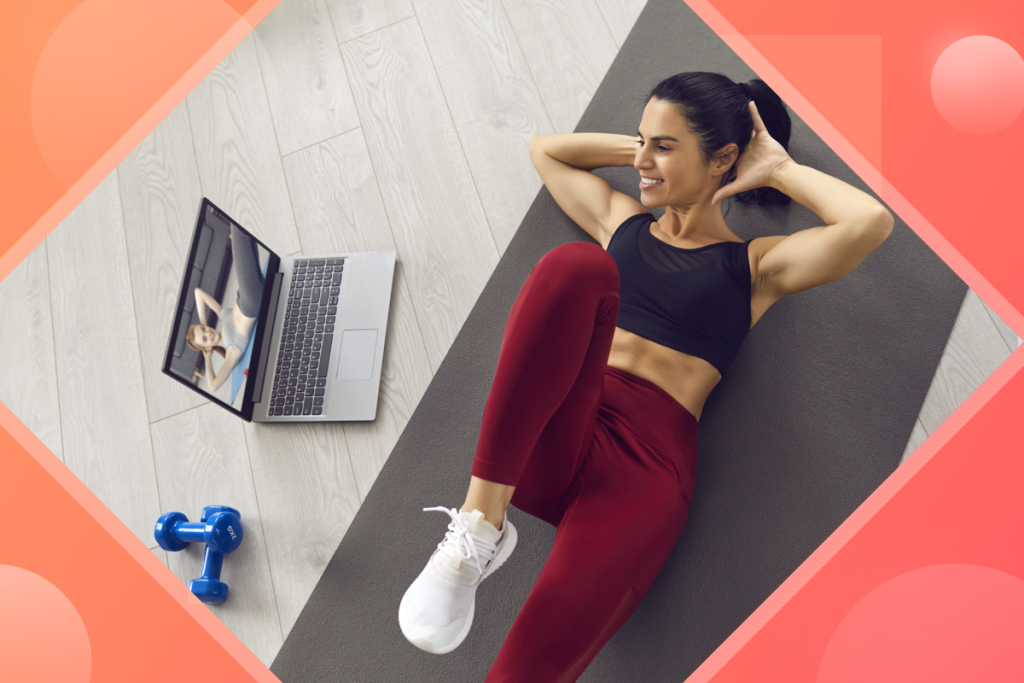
x=762, y=156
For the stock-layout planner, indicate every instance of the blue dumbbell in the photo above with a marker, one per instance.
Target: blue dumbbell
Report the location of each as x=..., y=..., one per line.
x=220, y=528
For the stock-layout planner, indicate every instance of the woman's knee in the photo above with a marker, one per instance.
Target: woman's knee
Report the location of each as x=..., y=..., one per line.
x=580, y=264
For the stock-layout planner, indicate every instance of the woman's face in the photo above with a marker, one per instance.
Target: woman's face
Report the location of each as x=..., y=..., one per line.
x=206, y=337
x=668, y=158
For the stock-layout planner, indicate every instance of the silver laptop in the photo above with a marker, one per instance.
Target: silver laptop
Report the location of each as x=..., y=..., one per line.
x=272, y=339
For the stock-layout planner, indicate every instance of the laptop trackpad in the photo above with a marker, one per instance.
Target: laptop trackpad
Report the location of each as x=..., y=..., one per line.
x=357, y=353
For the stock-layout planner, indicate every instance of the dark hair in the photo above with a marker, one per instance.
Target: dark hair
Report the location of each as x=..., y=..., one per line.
x=716, y=109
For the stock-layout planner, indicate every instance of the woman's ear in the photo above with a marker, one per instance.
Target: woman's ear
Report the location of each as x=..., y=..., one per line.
x=725, y=159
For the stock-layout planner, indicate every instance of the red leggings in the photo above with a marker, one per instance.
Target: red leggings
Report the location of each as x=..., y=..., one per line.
x=606, y=457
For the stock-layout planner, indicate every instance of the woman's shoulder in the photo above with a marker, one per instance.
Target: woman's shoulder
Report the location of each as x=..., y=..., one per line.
x=633, y=219
x=640, y=217
x=759, y=246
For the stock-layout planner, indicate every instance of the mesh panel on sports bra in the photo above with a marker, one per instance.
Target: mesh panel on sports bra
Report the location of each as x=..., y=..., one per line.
x=665, y=258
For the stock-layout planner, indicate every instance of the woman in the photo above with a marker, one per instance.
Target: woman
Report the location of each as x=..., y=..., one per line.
x=610, y=354
x=238, y=320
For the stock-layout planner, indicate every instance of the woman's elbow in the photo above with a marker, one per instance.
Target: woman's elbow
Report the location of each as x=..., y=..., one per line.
x=886, y=219
x=878, y=229
x=886, y=222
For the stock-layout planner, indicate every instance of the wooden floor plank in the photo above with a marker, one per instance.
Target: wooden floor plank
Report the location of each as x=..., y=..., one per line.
x=306, y=84
x=1008, y=335
x=493, y=101
x=353, y=18
x=103, y=414
x=338, y=208
x=202, y=459
x=238, y=158
x=917, y=437
x=29, y=386
x=439, y=227
x=478, y=61
x=307, y=499
x=569, y=48
x=497, y=149
x=974, y=350
x=620, y=15
x=160, y=194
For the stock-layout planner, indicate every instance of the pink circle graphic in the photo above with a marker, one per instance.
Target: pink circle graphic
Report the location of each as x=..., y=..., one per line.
x=42, y=637
x=978, y=85
x=948, y=622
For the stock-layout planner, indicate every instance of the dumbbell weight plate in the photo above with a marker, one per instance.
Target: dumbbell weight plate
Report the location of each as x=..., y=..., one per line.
x=162, y=531
x=210, y=510
x=224, y=531
x=210, y=591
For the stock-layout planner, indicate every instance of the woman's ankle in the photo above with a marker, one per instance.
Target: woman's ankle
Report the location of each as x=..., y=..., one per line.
x=490, y=498
x=496, y=519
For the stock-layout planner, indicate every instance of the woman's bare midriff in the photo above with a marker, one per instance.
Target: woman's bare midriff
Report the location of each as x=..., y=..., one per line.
x=687, y=379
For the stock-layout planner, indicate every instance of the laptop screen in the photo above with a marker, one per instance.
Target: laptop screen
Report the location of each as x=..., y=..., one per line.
x=217, y=317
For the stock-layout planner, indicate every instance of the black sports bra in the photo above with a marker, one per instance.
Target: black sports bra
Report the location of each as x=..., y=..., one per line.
x=692, y=300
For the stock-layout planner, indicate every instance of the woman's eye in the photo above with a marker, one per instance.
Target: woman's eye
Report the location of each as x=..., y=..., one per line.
x=661, y=148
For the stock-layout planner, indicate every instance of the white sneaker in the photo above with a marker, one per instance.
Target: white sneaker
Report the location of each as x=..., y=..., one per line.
x=437, y=609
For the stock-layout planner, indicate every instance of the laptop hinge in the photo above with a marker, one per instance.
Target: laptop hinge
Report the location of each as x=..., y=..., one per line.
x=268, y=337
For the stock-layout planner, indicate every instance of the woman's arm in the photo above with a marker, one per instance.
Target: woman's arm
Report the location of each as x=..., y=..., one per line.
x=564, y=163
x=215, y=380
x=857, y=225
x=202, y=301
x=587, y=151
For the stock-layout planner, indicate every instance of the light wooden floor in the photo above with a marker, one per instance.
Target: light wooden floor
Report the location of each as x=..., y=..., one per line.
x=337, y=125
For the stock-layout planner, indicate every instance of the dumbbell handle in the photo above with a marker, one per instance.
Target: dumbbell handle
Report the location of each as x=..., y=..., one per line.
x=189, y=532
x=212, y=563
x=208, y=587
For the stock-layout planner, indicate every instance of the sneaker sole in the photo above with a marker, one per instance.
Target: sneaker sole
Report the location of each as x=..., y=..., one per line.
x=506, y=550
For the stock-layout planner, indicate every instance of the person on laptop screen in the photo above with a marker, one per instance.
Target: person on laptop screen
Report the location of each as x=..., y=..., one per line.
x=237, y=322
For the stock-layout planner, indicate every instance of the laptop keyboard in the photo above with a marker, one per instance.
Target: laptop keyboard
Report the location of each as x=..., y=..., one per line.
x=301, y=376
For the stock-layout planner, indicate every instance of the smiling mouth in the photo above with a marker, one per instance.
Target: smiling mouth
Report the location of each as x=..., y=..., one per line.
x=646, y=183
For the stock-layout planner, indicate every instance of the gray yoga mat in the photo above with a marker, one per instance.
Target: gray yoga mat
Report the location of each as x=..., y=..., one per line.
x=814, y=414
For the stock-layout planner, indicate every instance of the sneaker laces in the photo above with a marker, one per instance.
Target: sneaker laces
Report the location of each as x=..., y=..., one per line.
x=460, y=544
